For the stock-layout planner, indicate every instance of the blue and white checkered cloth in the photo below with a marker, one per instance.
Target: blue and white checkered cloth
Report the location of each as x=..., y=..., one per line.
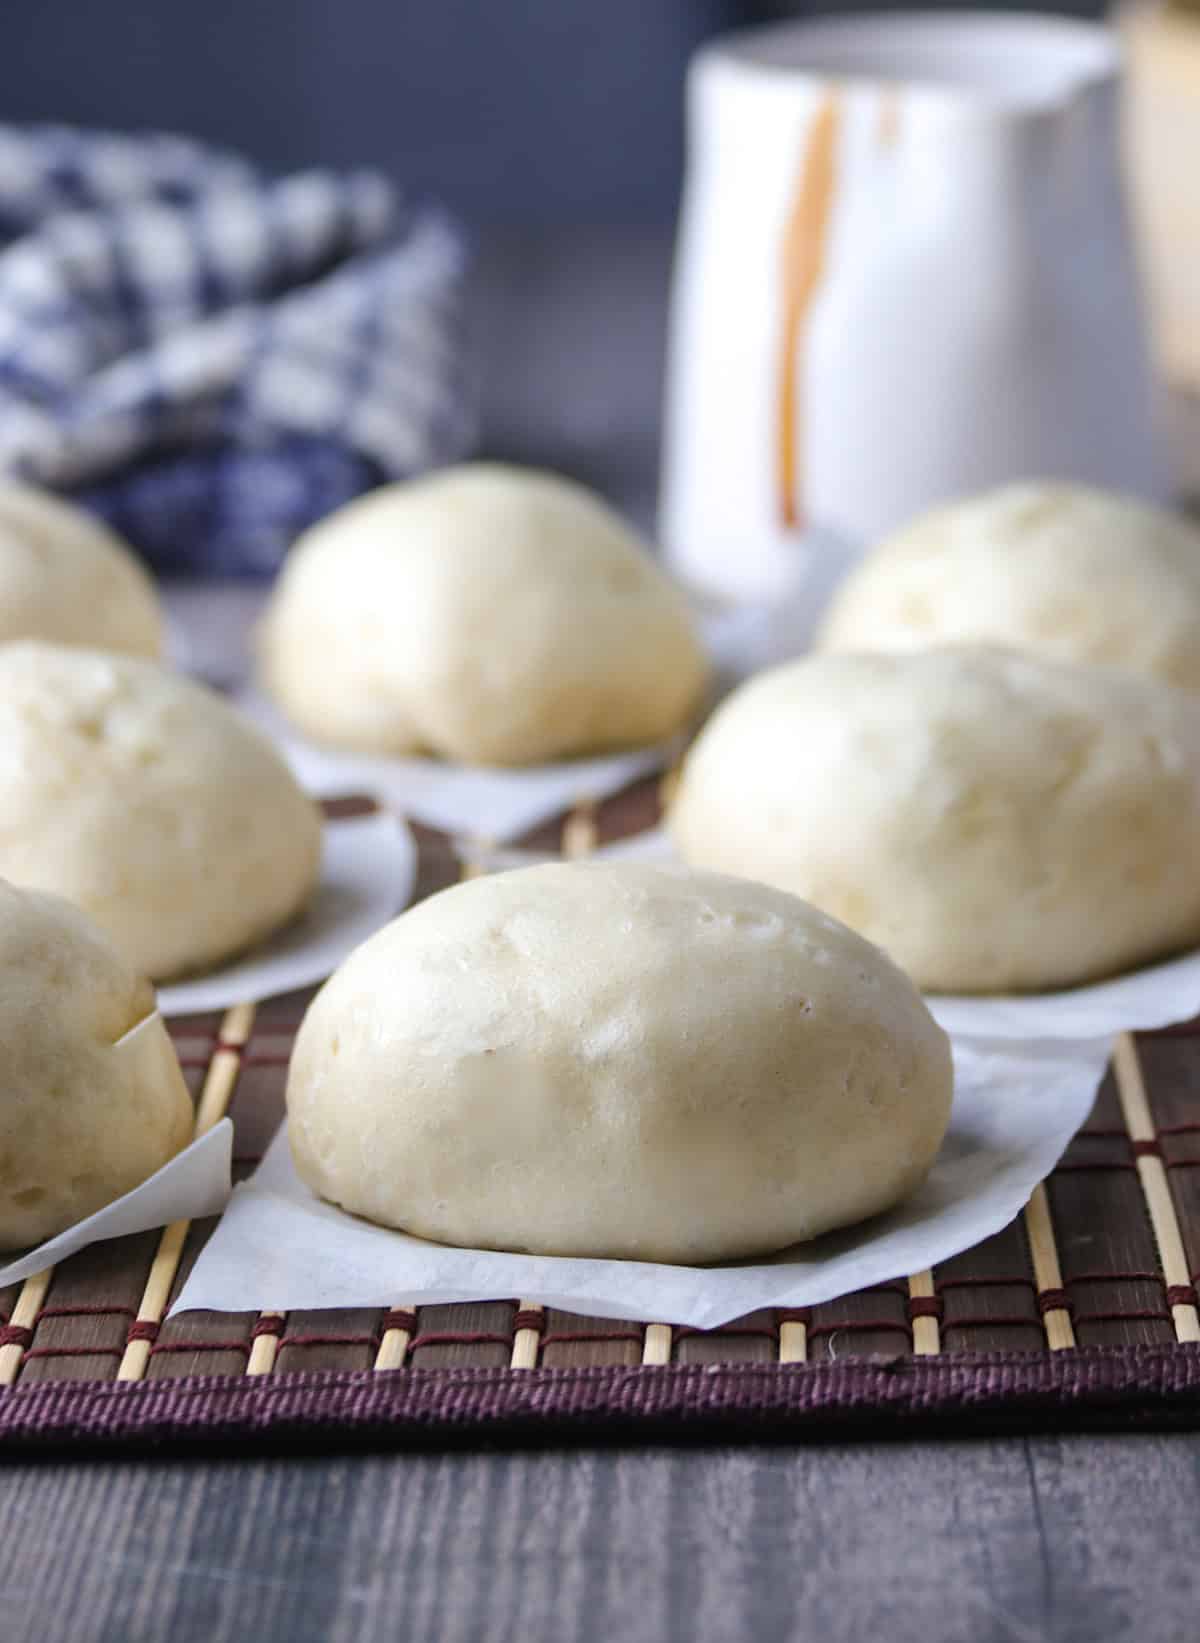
x=209, y=359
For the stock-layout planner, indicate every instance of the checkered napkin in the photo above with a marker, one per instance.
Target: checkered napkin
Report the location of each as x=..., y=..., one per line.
x=210, y=359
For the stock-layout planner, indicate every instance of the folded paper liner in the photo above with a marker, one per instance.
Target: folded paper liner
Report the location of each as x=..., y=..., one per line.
x=194, y=1183
x=278, y=1248
x=457, y=798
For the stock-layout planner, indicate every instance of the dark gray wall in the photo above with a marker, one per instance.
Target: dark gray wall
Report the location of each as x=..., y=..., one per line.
x=771, y=10
x=522, y=112
x=519, y=113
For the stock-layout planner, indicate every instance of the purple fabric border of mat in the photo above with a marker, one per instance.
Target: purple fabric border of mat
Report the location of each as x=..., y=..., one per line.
x=1107, y=1386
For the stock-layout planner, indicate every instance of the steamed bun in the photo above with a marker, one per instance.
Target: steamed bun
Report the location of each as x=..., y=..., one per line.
x=995, y=821
x=613, y=1059
x=486, y=614
x=1070, y=573
x=80, y=1125
x=66, y=577
x=146, y=800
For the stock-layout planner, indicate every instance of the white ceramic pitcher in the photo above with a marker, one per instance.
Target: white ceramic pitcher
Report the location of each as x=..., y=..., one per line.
x=903, y=274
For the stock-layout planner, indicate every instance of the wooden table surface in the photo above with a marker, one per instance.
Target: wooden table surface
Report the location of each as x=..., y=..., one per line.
x=1074, y=1539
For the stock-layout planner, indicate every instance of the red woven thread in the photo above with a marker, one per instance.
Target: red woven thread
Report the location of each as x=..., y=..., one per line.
x=1083, y=1169
x=1024, y=1282
x=1181, y=1295
x=199, y=1346
x=1116, y=1278
x=734, y=1331
x=143, y=1329
x=1054, y=1300
x=794, y=1315
x=74, y=1352
x=924, y=1306
x=85, y=1312
x=868, y=1326
x=398, y=1318
x=448, y=1338
x=268, y=1324
x=582, y=1337
x=1146, y=1149
x=1153, y=1315
x=529, y=1318
x=328, y=1340
x=265, y=1060
x=15, y=1335
x=1003, y=1320
x=1192, y=1128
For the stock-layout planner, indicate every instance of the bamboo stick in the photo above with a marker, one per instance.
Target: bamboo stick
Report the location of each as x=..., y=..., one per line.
x=264, y=1348
x=527, y=1341
x=656, y=1347
x=580, y=832
x=1139, y=1121
x=393, y=1349
x=236, y=1027
x=24, y=1316
x=1047, y=1273
x=793, y=1342
x=926, y=1332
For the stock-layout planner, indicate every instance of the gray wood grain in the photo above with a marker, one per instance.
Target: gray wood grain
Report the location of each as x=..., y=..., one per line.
x=1068, y=1540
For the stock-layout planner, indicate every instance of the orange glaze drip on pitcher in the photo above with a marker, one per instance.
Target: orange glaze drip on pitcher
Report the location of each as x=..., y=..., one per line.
x=804, y=243
x=889, y=117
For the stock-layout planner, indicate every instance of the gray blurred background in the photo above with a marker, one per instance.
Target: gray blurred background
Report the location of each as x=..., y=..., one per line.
x=528, y=114
x=553, y=127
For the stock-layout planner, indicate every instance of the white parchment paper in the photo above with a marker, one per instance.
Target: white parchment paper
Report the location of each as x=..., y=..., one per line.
x=196, y=1182
x=368, y=872
x=1138, y=1002
x=279, y=1248
x=502, y=804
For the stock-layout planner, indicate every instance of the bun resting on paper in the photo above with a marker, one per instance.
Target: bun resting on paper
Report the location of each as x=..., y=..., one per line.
x=1071, y=573
x=146, y=800
x=66, y=577
x=80, y=1125
x=486, y=614
x=614, y=1059
x=997, y=822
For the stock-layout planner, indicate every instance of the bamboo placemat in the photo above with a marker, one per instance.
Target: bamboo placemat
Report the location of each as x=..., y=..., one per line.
x=1084, y=1311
